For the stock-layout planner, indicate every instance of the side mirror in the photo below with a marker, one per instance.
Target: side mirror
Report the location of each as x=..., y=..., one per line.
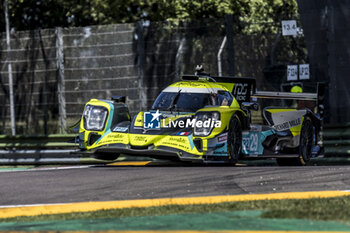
x=250, y=106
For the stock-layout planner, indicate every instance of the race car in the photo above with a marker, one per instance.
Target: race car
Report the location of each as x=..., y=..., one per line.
x=205, y=119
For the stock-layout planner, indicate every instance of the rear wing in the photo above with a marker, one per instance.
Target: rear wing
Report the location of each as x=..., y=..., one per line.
x=318, y=97
x=241, y=88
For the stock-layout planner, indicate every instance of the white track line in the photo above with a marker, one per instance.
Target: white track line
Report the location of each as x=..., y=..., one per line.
x=32, y=205
x=47, y=168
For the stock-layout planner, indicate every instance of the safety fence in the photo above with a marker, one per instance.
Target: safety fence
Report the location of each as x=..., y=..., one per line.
x=56, y=71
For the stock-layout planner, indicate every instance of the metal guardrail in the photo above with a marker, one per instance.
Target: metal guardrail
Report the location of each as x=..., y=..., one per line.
x=38, y=142
x=336, y=140
x=56, y=148
x=39, y=149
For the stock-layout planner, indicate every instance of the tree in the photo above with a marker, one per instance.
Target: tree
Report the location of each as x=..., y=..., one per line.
x=33, y=14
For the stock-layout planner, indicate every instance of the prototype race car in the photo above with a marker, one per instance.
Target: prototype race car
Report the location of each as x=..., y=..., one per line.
x=203, y=119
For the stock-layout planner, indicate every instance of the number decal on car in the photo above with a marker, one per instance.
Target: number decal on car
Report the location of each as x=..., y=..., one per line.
x=250, y=143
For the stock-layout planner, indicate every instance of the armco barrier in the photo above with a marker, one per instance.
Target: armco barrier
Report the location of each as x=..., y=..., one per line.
x=38, y=142
x=39, y=149
x=336, y=140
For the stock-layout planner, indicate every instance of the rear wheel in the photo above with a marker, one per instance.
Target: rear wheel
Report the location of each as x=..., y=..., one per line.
x=234, y=139
x=305, y=146
x=306, y=141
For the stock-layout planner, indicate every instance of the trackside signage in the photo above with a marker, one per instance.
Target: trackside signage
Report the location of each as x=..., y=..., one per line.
x=152, y=120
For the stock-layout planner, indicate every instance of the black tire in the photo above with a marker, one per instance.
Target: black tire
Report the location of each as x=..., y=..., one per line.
x=306, y=141
x=234, y=139
x=305, y=146
x=106, y=156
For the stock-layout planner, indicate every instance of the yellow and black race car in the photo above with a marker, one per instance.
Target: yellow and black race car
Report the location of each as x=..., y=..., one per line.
x=204, y=119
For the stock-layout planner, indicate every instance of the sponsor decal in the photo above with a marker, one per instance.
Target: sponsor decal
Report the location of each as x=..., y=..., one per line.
x=112, y=138
x=287, y=125
x=120, y=129
x=140, y=138
x=188, y=84
x=151, y=120
x=178, y=140
x=240, y=91
x=115, y=136
x=288, y=119
x=222, y=138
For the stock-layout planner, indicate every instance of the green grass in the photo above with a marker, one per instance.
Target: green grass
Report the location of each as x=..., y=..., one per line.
x=337, y=209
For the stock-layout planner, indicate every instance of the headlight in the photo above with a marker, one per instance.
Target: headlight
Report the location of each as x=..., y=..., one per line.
x=205, y=122
x=95, y=117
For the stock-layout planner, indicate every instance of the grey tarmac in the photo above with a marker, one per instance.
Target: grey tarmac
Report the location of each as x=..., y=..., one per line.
x=105, y=183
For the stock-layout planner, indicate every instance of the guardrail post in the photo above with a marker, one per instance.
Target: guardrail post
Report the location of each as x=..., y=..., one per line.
x=60, y=80
x=141, y=64
x=8, y=42
x=230, y=45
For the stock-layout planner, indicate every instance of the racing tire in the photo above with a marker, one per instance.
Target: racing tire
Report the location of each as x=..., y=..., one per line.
x=234, y=139
x=305, y=146
x=106, y=156
x=306, y=141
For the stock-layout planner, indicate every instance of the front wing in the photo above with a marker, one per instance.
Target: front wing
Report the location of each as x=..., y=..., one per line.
x=185, y=148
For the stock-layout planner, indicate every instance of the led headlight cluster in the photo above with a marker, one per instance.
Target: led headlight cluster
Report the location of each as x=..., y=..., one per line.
x=205, y=122
x=95, y=117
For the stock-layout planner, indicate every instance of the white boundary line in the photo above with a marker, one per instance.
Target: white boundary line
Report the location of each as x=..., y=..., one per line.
x=48, y=169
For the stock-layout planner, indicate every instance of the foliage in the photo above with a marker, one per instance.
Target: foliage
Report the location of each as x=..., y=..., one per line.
x=33, y=14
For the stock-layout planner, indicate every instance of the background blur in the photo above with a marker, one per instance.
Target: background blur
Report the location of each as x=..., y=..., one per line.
x=64, y=53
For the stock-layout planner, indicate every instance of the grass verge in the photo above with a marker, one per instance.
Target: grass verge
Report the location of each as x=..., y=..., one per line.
x=336, y=209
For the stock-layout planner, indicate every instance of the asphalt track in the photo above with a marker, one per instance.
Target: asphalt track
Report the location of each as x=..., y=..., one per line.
x=125, y=182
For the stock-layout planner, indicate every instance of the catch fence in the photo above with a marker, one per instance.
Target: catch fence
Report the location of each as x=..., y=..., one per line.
x=56, y=71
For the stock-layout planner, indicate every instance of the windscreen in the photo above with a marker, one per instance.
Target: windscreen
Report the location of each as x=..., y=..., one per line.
x=185, y=102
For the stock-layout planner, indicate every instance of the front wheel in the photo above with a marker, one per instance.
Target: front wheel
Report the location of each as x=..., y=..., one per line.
x=234, y=139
